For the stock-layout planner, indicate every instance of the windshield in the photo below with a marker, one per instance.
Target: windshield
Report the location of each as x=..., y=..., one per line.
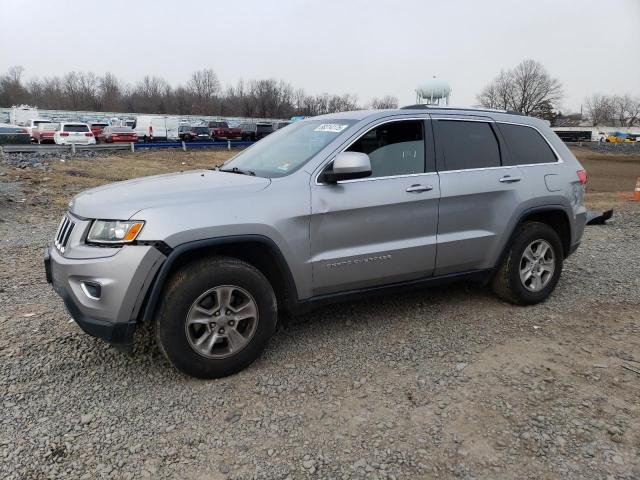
x=289, y=148
x=200, y=130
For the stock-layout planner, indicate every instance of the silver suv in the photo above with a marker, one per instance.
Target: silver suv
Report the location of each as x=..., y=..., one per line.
x=326, y=209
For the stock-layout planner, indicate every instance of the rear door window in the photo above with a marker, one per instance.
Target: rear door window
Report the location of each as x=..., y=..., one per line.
x=526, y=145
x=465, y=144
x=394, y=148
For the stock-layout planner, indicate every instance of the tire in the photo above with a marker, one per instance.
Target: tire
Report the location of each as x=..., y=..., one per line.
x=186, y=294
x=508, y=283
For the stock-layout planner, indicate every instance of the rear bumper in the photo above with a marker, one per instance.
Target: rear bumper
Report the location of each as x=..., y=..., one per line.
x=88, y=141
x=124, y=279
x=123, y=140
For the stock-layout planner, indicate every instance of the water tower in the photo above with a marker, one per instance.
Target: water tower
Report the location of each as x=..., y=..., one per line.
x=433, y=92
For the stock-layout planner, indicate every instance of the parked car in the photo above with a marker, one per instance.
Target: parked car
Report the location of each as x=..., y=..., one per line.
x=279, y=125
x=183, y=132
x=255, y=131
x=44, y=133
x=156, y=127
x=112, y=134
x=190, y=134
x=331, y=208
x=10, y=134
x=33, y=123
x=219, y=130
x=97, y=127
x=73, y=132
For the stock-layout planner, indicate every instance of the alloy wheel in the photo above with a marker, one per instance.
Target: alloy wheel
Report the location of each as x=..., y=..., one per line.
x=221, y=321
x=537, y=265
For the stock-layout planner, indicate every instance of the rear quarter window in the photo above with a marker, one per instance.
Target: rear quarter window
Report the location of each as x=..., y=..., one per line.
x=526, y=145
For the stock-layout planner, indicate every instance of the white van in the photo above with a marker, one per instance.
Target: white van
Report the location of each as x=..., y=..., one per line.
x=156, y=127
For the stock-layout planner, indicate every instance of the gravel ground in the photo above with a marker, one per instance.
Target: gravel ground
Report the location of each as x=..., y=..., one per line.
x=441, y=383
x=608, y=147
x=41, y=160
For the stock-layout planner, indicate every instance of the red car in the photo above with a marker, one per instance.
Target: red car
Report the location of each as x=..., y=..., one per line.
x=222, y=130
x=117, y=135
x=44, y=133
x=96, y=127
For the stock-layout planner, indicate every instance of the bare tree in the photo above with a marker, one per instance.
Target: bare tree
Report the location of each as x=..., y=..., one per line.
x=528, y=88
x=205, y=86
x=388, y=101
x=110, y=91
x=626, y=109
x=499, y=93
x=11, y=89
x=600, y=109
x=202, y=94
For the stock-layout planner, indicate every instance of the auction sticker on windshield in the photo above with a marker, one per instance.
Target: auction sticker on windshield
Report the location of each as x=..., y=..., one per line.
x=330, y=127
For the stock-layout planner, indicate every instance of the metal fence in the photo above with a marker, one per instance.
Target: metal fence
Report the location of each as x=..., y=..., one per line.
x=35, y=148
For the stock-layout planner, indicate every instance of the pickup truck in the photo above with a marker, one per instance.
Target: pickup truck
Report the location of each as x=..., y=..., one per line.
x=44, y=133
x=222, y=130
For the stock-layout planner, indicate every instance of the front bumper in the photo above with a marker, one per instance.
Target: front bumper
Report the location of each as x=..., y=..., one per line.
x=124, y=279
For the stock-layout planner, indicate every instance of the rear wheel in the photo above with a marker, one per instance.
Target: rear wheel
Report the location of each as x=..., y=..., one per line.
x=532, y=266
x=216, y=317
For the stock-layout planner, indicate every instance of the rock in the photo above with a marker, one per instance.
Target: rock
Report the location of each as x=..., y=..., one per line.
x=86, y=419
x=362, y=463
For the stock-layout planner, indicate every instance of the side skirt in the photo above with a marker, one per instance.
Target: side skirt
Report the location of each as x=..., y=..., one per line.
x=303, y=306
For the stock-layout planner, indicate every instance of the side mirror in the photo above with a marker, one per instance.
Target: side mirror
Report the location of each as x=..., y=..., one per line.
x=348, y=166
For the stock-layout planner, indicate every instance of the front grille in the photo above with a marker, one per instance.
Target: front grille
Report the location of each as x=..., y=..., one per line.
x=64, y=232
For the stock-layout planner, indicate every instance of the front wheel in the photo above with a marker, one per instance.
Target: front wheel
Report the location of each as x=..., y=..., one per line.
x=216, y=317
x=532, y=266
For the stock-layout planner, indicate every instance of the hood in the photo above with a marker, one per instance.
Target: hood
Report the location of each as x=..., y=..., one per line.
x=121, y=200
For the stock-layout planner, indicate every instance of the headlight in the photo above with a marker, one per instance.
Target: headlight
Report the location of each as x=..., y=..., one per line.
x=114, y=231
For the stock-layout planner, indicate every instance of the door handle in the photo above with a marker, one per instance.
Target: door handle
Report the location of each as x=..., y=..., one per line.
x=509, y=179
x=417, y=188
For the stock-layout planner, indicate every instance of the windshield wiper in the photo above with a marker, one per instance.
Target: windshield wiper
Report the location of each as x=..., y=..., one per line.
x=238, y=170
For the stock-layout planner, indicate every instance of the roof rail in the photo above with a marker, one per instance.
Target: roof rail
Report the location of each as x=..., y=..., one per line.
x=422, y=106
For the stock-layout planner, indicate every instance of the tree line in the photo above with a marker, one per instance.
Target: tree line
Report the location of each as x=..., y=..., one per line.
x=528, y=88
x=203, y=94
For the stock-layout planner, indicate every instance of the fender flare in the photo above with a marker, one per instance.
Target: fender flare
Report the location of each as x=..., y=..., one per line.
x=520, y=220
x=155, y=290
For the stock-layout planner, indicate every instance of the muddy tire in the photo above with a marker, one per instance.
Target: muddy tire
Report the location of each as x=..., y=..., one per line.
x=216, y=317
x=531, y=267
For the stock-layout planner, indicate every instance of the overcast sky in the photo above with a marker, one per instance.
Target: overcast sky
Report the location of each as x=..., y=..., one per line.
x=365, y=47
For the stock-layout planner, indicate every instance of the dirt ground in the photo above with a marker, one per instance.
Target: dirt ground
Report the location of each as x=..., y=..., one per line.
x=442, y=383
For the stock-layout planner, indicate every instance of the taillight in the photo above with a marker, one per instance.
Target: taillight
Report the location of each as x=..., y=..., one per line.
x=88, y=134
x=582, y=176
x=64, y=134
